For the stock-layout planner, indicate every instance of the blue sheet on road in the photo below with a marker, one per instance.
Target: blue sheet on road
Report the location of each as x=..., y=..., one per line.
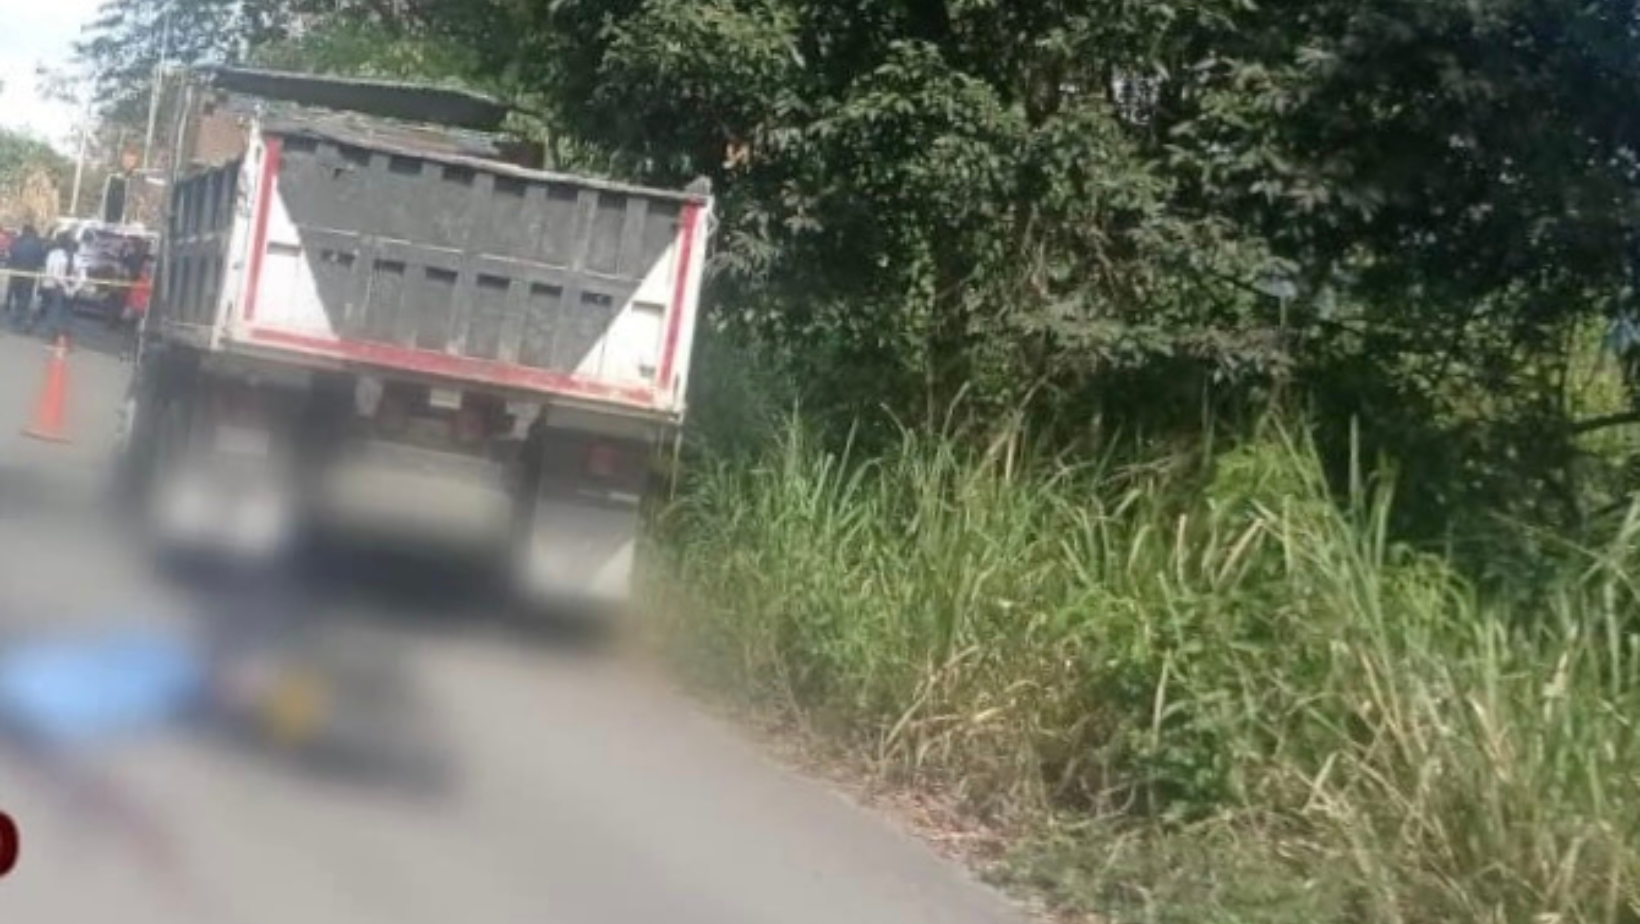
x=78, y=691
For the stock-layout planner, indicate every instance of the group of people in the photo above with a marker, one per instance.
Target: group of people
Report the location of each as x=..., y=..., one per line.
x=46, y=279
x=44, y=282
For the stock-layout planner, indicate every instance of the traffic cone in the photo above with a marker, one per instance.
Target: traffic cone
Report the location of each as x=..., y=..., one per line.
x=49, y=411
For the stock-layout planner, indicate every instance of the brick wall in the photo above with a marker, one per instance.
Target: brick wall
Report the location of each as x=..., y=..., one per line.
x=219, y=136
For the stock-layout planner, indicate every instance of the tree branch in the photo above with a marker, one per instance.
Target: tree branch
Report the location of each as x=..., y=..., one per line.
x=1594, y=424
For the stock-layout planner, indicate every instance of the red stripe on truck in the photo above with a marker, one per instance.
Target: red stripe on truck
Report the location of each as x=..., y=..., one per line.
x=430, y=362
x=272, y=148
x=680, y=296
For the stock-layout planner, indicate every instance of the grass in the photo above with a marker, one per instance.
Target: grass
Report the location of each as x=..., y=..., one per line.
x=1207, y=698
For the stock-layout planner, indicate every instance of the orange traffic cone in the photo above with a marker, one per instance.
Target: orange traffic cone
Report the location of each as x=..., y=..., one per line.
x=49, y=411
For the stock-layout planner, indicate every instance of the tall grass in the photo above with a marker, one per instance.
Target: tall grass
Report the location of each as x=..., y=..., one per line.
x=1237, y=658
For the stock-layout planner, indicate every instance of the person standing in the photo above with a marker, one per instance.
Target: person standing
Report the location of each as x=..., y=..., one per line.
x=58, y=287
x=28, y=255
x=136, y=308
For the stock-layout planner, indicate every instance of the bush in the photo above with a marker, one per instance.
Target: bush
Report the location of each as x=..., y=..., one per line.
x=1171, y=653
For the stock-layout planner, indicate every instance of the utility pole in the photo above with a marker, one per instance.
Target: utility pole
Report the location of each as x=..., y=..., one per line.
x=79, y=160
x=158, y=87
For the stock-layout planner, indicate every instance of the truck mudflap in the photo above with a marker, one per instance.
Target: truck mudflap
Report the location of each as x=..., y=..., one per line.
x=578, y=554
x=580, y=540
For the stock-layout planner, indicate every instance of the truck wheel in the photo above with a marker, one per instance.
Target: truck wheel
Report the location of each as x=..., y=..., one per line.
x=134, y=448
x=154, y=385
x=125, y=485
x=170, y=433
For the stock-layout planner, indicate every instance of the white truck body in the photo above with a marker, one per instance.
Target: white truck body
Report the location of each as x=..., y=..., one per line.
x=268, y=297
x=495, y=350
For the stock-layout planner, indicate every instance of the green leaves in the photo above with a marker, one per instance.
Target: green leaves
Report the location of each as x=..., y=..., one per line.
x=30, y=175
x=21, y=155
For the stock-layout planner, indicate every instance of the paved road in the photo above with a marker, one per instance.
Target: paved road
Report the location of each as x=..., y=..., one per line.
x=576, y=793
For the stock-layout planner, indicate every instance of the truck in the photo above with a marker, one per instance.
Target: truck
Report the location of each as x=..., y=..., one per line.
x=377, y=316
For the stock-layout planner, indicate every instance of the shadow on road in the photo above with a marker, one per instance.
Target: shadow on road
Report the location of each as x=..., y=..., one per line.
x=95, y=335
x=88, y=333
x=26, y=493
x=433, y=593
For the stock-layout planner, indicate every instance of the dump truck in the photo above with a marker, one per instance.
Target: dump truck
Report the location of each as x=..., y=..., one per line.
x=378, y=317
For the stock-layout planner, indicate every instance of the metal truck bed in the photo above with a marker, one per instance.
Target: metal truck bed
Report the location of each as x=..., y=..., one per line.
x=341, y=240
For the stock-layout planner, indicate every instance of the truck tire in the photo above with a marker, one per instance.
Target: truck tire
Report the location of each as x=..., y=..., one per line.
x=158, y=411
x=152, y=387
x=170, y=420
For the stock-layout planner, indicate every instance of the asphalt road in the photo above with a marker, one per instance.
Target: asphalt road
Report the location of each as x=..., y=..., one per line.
x=573, y=793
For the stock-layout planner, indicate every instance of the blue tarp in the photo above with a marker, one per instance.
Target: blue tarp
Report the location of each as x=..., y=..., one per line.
x=78, y=691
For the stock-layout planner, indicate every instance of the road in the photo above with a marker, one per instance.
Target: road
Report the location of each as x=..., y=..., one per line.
x=576, y=793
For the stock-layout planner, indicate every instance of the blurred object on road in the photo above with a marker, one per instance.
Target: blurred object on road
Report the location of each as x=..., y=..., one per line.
x=81, y=690
x=334, y=700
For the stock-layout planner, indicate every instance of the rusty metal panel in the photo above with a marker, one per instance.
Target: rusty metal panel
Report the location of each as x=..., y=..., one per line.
x=219, y=134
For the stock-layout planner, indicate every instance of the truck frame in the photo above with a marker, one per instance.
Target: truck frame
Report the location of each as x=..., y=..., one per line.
x=374, y=314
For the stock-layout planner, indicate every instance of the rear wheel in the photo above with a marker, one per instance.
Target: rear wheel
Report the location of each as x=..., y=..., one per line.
x=171, y=423
x=137, y=439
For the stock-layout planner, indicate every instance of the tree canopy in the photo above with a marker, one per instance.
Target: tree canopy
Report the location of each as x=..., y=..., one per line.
x=31, y=173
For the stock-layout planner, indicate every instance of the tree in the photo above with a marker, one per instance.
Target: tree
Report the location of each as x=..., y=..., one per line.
x=31, y=175
x=129, y=38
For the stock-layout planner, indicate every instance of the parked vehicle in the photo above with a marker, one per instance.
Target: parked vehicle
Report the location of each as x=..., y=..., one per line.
x=111, y=255
x=366, y=325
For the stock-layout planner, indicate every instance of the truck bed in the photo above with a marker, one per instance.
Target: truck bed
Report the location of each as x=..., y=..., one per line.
x=338, y=240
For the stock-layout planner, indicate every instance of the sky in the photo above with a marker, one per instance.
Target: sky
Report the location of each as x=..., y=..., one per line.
x=34, y=32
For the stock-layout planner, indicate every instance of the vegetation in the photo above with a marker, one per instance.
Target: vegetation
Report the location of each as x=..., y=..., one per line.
x=30, y=175
x=1241, y=698
x=1129, y=236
